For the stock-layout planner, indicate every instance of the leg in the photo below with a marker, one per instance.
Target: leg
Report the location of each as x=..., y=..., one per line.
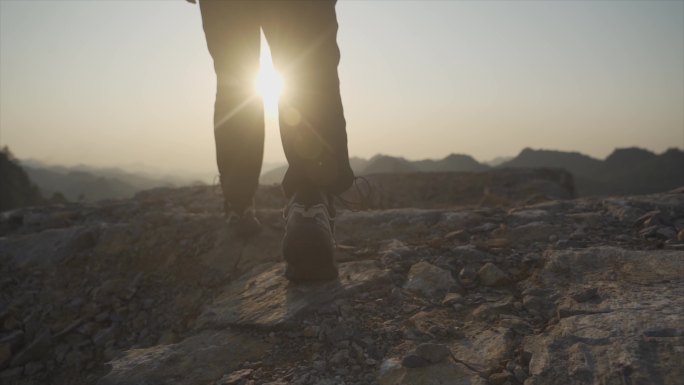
x=302, y=36
x=233, y=38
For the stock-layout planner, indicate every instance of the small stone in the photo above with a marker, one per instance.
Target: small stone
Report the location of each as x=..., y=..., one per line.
x=585, y=295
x=437, y=331
x=680, y=235
x=622, y=238
x=32, y=368
x=486, y=227
x=340, y=357
x=71, y=326
x=538, y=306
x=491, y=275
x=428, y=280
x=579, y=233
x=510, y=365
x=413, y=360
x=433, y=353
x=456, y=332
x=238, y=377
x=272, y=338
x=387, y=369
x=338, y=333
x=500, y=232
x=483, y=312
x=519, y=373
x=319, y=365
x=311, y=331
x=460, y=235
x=103, y=316
x=666, y=233
x=499, y=378
x=467, y=277
x=60, y=352
x=452, y=299
x=5, y=355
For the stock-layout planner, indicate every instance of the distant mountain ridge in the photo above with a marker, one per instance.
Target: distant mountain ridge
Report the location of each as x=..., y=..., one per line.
x=391, y=164
x=625, y=171
x=91, y=184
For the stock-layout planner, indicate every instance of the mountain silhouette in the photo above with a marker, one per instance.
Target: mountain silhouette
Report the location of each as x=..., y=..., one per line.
x=625, y=171
x=453, y=162
x=82, y=182
x=385, y=163
x=381, y=163
x=575, y=162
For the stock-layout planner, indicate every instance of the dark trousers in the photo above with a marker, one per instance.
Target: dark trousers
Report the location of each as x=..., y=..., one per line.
x=302, y=37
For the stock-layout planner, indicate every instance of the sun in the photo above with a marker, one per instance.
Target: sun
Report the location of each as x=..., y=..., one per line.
x=269, y=84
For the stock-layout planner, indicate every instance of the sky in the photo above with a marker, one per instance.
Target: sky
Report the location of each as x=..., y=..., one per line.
x=131, y=83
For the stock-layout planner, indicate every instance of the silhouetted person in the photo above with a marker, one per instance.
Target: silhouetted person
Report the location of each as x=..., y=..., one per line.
x=302, y=37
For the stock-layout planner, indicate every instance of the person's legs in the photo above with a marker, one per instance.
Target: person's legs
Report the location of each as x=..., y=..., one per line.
x=233, y=38
x=302, y=36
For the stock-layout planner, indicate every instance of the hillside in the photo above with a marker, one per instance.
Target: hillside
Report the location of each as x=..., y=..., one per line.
x=16, y=189
x=92, y=184
x=152, y=290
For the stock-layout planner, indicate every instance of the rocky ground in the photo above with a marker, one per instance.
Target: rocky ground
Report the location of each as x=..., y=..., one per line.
x=153, y=290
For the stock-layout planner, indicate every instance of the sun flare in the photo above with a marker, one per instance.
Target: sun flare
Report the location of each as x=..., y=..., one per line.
x=269, y=84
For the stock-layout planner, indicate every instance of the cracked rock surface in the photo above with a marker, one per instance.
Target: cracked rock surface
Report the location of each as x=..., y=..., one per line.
x=153, y=290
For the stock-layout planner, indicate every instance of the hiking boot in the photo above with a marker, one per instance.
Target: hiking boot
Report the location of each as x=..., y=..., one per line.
x=244, y=225
x=309, y=243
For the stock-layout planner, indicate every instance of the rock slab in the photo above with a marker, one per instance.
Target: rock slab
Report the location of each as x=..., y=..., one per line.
x=265, y=299
x=630, y=330
x=446, y=372
x=200, y=359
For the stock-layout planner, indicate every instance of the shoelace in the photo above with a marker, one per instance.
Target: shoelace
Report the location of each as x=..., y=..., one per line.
x=365, y=201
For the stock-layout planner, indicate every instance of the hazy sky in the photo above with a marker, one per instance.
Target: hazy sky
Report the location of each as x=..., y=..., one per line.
x=132, y=83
